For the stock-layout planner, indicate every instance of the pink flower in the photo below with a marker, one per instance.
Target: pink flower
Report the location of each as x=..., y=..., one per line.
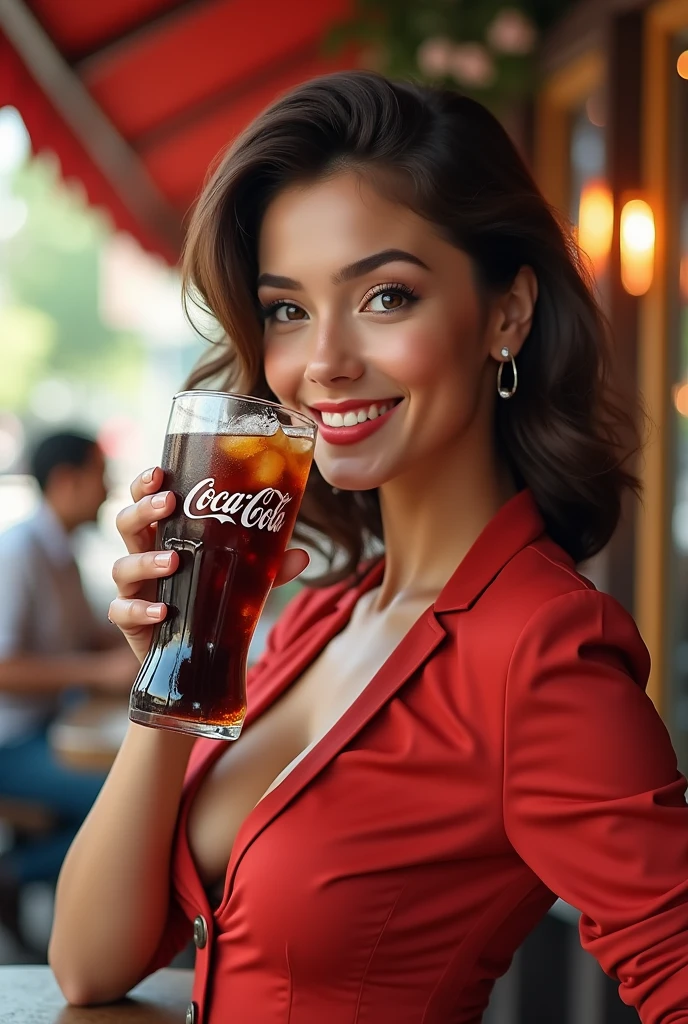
x=510, y=31
x=434, y=55
x=471, y=64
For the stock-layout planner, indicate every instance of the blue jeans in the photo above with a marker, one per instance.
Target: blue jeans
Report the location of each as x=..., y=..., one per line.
x=30, y=772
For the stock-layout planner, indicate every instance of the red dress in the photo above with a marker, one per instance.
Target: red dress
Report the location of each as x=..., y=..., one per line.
x=505, y=752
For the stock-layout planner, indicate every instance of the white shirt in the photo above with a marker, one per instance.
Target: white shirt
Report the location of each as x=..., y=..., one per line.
x=51, y=533
x=43, y=610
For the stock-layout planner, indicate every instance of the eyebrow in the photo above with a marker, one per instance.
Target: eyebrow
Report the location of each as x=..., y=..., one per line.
x=354, y=270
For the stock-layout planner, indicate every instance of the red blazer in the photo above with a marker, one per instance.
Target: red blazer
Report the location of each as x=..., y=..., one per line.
x=505, y=752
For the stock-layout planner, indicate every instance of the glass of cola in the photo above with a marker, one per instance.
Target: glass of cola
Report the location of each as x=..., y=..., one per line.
x=238, y=467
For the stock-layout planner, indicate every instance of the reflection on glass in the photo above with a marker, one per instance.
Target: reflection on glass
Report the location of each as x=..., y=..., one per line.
x=596, y=223
x=591, y=207
x=591, y=211
x=677, y=598
x=587, y=149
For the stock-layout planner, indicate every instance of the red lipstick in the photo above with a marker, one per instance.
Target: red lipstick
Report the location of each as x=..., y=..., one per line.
x=348, y=435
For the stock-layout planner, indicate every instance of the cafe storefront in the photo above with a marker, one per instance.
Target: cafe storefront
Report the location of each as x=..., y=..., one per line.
x=609, y=147
x=610, y=150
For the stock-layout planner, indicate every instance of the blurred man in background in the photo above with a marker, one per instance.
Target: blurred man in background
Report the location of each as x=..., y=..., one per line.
x=51, y=642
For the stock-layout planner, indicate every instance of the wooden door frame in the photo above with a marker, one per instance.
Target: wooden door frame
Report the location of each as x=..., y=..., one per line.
x=572, y=76
x=558, y=96
x=663, y=20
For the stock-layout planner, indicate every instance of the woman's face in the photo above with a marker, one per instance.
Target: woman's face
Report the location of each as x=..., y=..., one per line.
x=374, y=327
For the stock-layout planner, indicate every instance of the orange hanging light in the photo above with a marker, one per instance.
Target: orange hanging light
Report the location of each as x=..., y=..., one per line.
x=680, y=394
x=683, y=278
x=682, y=64
x=637, y=241
x=596, y=223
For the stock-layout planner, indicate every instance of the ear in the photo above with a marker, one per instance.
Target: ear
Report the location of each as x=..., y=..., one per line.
x=512, y=316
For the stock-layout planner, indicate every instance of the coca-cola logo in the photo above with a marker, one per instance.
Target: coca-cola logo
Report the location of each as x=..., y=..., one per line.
x=264, y=509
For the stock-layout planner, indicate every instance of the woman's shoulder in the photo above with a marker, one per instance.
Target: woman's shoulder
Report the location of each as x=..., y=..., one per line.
x=541, y=600
x=557, y=606
x=537, y=574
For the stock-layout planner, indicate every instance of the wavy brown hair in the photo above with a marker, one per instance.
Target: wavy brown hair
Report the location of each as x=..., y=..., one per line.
x=447, y=158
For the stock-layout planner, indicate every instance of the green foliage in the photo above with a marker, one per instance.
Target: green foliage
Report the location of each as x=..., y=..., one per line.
x=390, y=34
x=28, y=340
x=50, y=323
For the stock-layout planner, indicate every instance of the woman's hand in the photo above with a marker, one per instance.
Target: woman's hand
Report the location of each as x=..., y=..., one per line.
x=135, y=610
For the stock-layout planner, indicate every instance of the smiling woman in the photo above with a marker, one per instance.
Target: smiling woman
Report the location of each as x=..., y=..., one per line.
x=447, y=736
x=357, y=210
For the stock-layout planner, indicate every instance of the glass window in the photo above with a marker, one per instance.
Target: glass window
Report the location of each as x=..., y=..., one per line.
x=588, y=155
x=677, y=221
x=591, y=207
x=591, y=211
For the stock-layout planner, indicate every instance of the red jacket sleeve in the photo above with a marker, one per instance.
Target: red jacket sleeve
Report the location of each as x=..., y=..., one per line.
x=178, y=930
x=593, y=800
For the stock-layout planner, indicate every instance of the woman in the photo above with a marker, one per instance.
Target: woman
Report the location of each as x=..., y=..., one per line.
x=441, y=739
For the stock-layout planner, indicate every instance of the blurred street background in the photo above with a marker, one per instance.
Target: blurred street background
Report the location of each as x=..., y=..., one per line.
x=111, y=113
x=92, y=336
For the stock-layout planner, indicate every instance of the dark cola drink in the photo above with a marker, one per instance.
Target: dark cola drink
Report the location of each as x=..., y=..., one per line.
x=237, y=501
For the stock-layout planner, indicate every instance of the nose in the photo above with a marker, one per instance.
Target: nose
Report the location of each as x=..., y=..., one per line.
x=334, y=359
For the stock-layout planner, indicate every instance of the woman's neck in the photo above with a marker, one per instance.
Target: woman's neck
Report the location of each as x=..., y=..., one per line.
x=432, y=516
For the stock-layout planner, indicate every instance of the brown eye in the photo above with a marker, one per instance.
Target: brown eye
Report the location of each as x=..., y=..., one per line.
x=288, y=312
x=387, y=301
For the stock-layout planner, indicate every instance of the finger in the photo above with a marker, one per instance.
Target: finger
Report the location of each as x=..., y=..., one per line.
x=294, y=562
x=132, y=614
x=130, y=571
x=148, y=482
x=134, y=521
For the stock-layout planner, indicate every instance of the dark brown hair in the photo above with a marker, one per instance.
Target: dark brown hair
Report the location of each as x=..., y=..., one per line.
x=453, y=163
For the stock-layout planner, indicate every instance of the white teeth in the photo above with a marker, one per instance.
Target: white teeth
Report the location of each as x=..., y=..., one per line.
x=352, y=417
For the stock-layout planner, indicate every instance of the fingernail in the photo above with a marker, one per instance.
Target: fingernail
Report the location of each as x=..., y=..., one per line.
x=158, y=500
x=162, y=559
x=147, y=476
x=154, y=610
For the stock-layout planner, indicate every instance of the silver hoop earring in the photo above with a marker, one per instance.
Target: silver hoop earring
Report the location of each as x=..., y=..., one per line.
x=507, y=392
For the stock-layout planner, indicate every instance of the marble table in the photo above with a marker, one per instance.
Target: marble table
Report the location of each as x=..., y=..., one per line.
x=30, y=995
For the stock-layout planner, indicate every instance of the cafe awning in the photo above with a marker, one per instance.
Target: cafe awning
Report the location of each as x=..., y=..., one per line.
x=137, y=97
